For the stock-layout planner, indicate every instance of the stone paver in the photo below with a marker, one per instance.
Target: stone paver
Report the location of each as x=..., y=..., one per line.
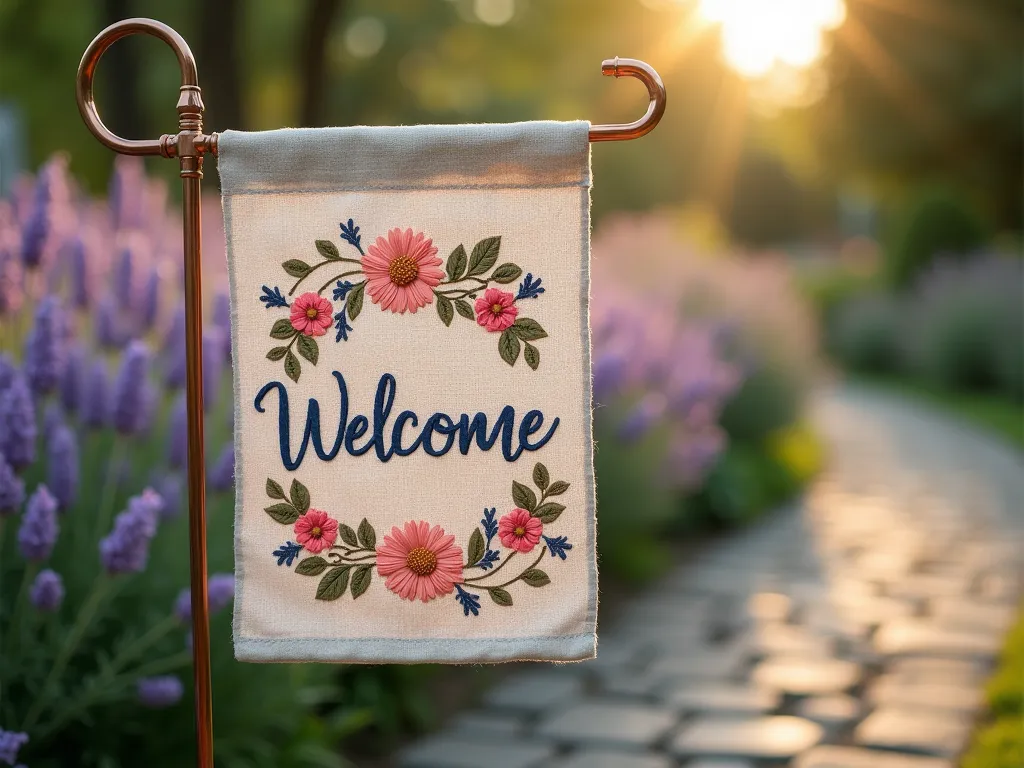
x=873, y=610
x=592, y=758
x=608, y=723
x=920, y=731
x=764, y=738
x=851, y=757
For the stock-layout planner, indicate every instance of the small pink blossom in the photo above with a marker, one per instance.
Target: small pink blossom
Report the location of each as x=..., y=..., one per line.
x=402, y=271
x=520, y=531
x=312, y=314
x=420, y=562
x=316, y=531
x=496, y=310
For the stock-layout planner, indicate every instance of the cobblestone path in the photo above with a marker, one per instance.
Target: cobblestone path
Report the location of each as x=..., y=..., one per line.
x=852, y=631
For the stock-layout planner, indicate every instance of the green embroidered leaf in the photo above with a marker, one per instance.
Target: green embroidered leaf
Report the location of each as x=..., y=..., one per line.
x=506, y=273
x=296, y=268
x=291, y=366
x=355, y=301
x=535, y=577
x=456, y=263
x=475, y=550
x=282, y=330
x=283, y=513
x=548, y=512
x=333, y=584
x=464, y=308
x=361, y=580
x=541, y=478
x=528, y=329
x=274, y=490
x=500, y=596
x=367, y=536
x=300, y=496
x=277, y=353
x=308, y=348
x=444, y=309
x=558, y=488
x=508, y=346
x=347, y=535
x=311, y=566
x=531, y=355
x=485, y=254
x=523, y=497
x=328, y=250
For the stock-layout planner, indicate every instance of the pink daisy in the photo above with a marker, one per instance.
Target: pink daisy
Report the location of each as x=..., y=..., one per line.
x=420, y=562
x=316, y=531
x=519, y=531
x=402, y=271
x=496, y=311
x=312, y=314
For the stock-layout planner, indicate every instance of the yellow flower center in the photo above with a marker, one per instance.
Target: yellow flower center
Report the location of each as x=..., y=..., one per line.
x=311, y=313
x=421, y=561
x=519, y=531
x=403, y=270
x=316, y=531
x=496, y=308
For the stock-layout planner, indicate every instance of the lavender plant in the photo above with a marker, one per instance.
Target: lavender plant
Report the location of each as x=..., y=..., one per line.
x=94, y=609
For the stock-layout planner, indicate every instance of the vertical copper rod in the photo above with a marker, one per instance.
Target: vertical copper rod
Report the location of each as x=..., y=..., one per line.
x=197, y=473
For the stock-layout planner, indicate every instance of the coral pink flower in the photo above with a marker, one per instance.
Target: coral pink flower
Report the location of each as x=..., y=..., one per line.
x=519, y=531
x=496, y=311
x=312, y=314
x=419, y=562
x=401, y=272
x=316, y=531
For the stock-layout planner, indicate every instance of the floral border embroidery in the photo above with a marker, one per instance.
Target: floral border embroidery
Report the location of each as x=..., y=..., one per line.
x=402, y=273
x=421, y=561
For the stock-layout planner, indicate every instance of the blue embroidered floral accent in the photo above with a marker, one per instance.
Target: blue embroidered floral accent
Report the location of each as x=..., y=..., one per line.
x=350, y=234
x=529, y=288
x=489, y=559
x=469, y=602
x=557, y=546
x=341, y=291
x=490, y=526
x=340, y=321
x=287, y=553
x=273, y=298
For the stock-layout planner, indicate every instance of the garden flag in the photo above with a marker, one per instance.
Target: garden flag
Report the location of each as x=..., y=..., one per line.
x=411, y=352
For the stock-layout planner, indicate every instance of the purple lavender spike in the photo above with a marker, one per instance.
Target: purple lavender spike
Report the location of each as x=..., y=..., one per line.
x=47, y=592
x=222, y=473
x=159, y=692
x=124, y=277
x=11, y=283
x=39, y=527
x=12, y=489
x=81, y=279
x=94, y=410
x=213, y=366
x=108, y=325
x=45, y=347
x=62, y=466
x=71, y=380
x=128, y=405
x=18, y=423
x=126, y=548
x=149, y=309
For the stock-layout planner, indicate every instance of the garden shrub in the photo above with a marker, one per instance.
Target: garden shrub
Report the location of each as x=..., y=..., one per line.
x=938, y=221
x=867, y=334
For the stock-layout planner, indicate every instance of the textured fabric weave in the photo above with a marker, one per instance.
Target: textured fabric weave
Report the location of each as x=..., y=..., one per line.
x=411, y=352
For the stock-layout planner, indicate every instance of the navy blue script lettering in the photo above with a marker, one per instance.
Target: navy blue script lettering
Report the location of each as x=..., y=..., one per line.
x=439, y=434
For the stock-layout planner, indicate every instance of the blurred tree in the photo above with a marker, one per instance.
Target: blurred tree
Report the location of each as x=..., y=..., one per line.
x=767, y=202
x=313, y=58
x=929, y=91
x=219, y=61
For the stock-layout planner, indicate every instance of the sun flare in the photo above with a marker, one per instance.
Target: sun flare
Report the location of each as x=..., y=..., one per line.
x=759, y=34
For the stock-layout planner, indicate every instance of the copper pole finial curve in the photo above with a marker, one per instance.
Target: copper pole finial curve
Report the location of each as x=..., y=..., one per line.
x=646, y=74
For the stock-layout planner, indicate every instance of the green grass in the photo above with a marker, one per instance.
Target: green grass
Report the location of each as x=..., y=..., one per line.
x=1000, y=742
x=989, y=412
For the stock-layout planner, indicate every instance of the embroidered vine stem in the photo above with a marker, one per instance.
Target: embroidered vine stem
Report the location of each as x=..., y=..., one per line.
x=315, y=267
x=345, y=559
x=327, y=285
x=491, y=573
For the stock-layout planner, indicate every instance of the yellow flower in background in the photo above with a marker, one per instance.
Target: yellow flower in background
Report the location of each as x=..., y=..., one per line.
x=798, y=449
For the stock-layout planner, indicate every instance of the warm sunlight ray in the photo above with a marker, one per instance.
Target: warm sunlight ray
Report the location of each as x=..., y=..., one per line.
x=758, y=34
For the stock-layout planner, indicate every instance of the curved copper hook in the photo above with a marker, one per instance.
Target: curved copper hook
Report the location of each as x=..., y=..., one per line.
x=87, y=71
x=646, y=74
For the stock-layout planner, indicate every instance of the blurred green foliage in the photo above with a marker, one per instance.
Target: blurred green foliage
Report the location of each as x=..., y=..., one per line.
x=938, y=222
x=1000, y=744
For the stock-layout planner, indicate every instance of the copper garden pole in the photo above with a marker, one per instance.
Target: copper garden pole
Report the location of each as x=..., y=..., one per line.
x=188, y=145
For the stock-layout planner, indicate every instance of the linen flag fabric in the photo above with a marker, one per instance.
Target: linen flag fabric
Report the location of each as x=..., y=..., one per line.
x=411, y=348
